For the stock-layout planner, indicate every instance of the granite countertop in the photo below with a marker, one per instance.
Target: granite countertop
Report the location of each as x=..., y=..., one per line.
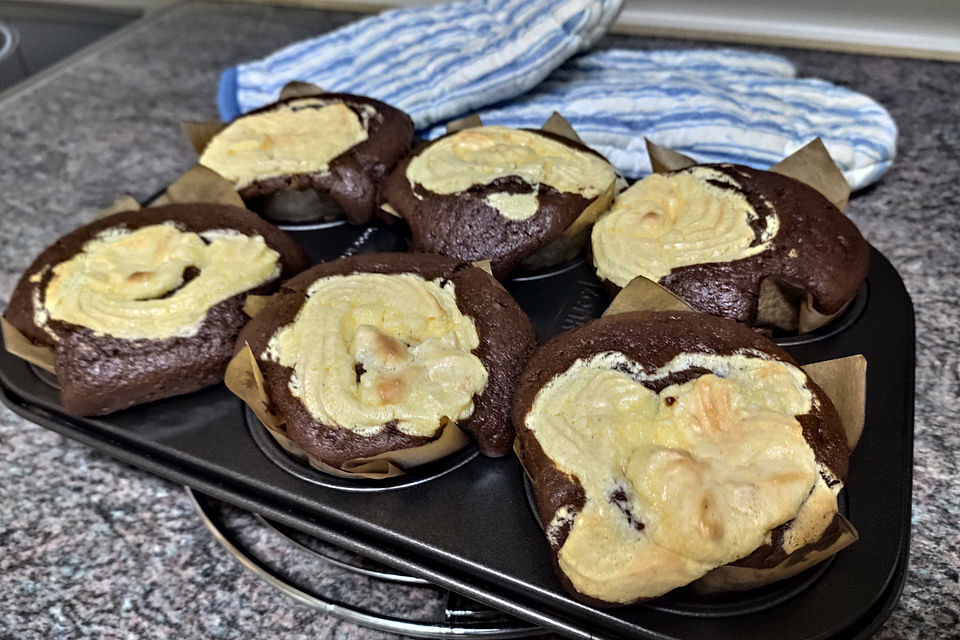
x=93, y=548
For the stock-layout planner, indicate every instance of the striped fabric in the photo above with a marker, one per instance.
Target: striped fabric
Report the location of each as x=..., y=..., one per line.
x=434, y=62
x=441, y=62
x=713, y=105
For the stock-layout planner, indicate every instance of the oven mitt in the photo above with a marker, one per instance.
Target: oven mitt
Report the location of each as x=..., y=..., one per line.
x=434, y=62
x=712, y=105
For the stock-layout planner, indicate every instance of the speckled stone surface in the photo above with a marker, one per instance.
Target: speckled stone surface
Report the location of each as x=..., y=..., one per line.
x=92, y=548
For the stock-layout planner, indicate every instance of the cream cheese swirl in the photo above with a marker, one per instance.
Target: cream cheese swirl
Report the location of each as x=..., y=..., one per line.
x=667, y=221
x=132, y=285
x=481, y=155
x=300, y=136
x=678, y=482
x=369, y=349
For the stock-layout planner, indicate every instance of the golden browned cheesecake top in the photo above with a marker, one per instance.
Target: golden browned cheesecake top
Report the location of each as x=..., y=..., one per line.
x=368, y=349
x=133, y=284
x=379, y=352
x=662, y=445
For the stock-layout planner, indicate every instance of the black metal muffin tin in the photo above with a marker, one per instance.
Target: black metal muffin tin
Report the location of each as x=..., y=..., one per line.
x=465, y=522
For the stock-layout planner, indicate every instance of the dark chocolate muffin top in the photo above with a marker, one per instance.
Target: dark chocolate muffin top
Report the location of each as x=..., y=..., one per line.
x=662, y=445
x=335, y=143
x=494, y=193
x=712, y=233
x=146, y=293
x=378, y=352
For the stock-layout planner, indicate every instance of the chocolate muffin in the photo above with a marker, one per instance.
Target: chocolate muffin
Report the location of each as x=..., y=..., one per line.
x=662, y=445
x=146, y=304
x=376, y=353
x=498, y=194
x=315, y=157
x=713, y=234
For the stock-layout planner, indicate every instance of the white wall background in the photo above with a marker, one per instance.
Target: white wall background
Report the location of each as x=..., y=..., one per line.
x=921, y=27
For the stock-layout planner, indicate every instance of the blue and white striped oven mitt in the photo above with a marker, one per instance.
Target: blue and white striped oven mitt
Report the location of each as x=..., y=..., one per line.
x=516, y=62
x=434, y=62
x=712, y=105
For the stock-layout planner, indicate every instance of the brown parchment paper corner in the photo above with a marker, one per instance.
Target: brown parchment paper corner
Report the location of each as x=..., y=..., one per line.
x=199, y=133
x=558, y=125
x=844, y=380
x=253, y=304
x=471, y=121
x=120, y=205
x=813, y=165
x=483, y=264
x=663, y=159
x=643, y=294
x=300, y=89
x=20, y=345
x=200, y=184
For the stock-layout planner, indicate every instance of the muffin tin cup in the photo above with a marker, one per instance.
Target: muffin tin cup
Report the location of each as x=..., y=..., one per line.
x=841, y=323
x=300, y=468
x=466, y=525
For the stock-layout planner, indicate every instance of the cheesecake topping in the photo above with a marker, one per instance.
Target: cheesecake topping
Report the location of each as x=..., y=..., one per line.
x=482, y=155
x=295, y=137
x=677, y=482
x=695, y=216
x=155, y=282
x=368, y=349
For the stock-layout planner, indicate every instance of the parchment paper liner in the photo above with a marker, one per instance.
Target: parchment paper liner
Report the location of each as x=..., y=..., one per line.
x=245, y=379
x=780, y=305
x=20, y=346
x=567, y=245
x=844, y=382
x=643, y=294
x=198, y=184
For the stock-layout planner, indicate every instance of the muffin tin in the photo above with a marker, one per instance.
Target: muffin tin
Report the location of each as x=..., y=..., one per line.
x=465, y=522
x=348, y=586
